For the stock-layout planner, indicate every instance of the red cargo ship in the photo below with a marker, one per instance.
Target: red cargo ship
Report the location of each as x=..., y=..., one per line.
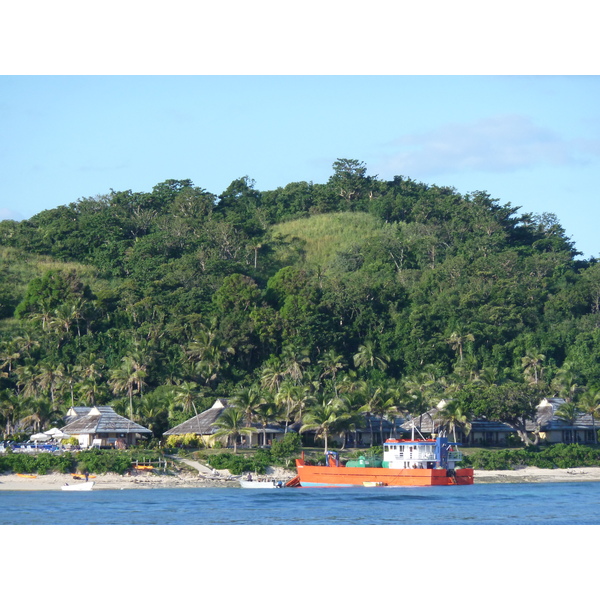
x=405, y=463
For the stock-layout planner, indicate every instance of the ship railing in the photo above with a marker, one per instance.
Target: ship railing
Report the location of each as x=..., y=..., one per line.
x=455, y=455
x=414, y=456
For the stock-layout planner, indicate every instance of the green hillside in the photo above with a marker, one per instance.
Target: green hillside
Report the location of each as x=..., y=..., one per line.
x=357, y=292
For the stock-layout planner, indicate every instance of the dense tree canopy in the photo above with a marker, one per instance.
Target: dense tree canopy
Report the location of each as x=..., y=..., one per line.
x=315, y=293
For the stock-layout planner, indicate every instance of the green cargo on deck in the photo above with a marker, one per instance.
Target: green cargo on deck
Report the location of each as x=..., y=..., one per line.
x=364, y=462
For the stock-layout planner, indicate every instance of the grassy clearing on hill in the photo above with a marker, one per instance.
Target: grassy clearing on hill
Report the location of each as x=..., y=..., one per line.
x=320, y=237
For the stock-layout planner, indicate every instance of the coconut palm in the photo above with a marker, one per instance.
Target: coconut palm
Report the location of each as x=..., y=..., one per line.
x=231, y=425
x=287, y=398
x=568, y=412
x=566, y=382
x=266, y=412
x=589, y=404
x=272, y=374
x=532, y=365
x=248, y=400
x=451, y=414
x=10, y=410
x=367, y=356
x=330, y=364
x=49, y=378
x=294, y=362
x=323, y=418
x=128, y=377
x=458, y=340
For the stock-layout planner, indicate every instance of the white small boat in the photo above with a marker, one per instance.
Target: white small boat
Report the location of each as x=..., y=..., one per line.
x=261, y=484
x=78, y=487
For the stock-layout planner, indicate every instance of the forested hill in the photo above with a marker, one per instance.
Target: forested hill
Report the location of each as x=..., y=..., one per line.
x=355, y=282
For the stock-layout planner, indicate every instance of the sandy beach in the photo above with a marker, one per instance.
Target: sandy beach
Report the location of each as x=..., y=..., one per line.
x=223, y=479
x=112, y=481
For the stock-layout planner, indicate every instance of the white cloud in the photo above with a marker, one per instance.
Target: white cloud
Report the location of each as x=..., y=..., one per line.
x=497, y=145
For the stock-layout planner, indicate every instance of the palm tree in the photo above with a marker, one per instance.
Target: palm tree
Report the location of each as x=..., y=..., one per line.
x=184, y=396
x=248, y=400
x=231, y=424
x=266, y=411
x=287, y=397
x=457, y=341
x=532, y=365
x=10, y=409
x=272, y=374
x=208, y=351
x=330, y=364
x=40, y=415
x=294, y=361
x=451, y=414
x=49, y=378
x=368, y=357
x=568, y=412
x=129, y=377
x=323, y=418
x=565, y=383
x=589, y=404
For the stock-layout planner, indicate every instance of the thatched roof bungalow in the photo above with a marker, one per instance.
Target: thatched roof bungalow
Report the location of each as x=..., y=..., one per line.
x=547, y=424
x=203, y=425
x=102, y=426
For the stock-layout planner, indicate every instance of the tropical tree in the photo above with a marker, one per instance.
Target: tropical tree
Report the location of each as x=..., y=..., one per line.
x=589, y=404
x=231, y=425
x=367, y=357
x=331, y=363
x=128, y=377
x=532, y=364
x=458, y=340
x=287, y=398
x=248, y=399
x=10, y=409
x=568, y=412
x=323, y=417
x=452, y=415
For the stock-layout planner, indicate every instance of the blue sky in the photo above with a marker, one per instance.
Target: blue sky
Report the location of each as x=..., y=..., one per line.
x=533, y=141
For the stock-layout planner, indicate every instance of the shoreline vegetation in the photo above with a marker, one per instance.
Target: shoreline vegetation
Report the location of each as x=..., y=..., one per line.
x=111, y=481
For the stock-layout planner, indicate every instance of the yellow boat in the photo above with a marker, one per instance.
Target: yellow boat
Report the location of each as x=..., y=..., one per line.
x=26, y=476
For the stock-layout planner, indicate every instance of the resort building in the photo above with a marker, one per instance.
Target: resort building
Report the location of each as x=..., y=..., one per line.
x=101, y=427
x=203, y=425
x=549, y=424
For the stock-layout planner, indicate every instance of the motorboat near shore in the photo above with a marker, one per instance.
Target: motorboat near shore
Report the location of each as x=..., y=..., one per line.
x=78, y=487
x=253, y=485
x=425, y=462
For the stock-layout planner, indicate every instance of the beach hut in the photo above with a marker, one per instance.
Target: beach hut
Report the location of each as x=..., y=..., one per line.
x=102, y=426
x=203, y=425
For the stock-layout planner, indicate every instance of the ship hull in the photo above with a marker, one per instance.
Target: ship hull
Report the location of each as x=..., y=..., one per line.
x=325, y=476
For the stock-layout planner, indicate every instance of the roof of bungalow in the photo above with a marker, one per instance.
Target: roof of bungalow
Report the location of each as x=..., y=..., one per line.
x=202, y=424
x=546, y=418
x=99, y=419
x=429, y=422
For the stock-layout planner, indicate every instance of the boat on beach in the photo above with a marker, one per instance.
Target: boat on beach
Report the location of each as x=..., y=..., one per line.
x=425, y=462
x=253, y=485
x=78, y=487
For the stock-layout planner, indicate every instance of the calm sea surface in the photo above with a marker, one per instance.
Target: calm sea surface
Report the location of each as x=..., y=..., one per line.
x=485, y=504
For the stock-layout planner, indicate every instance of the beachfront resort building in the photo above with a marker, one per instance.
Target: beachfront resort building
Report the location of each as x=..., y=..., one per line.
x=102, y=427
x=549, y=424
x=203, y=425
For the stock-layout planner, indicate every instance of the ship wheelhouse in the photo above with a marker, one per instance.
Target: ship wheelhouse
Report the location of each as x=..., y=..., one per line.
x=420, y=454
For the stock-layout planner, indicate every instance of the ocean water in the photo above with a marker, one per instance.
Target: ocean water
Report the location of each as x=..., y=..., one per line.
x=572, y=503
